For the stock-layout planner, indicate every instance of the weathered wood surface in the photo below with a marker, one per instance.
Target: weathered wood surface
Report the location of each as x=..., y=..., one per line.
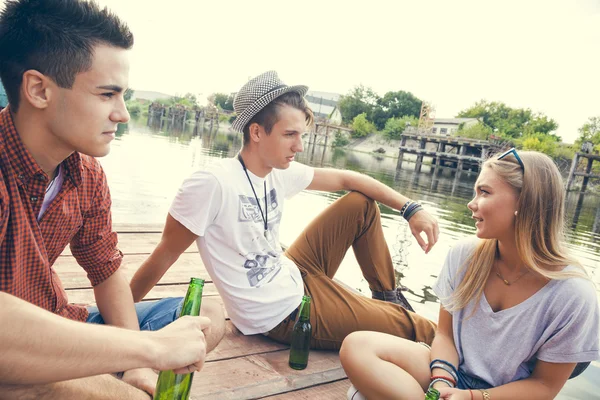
x=240, y=367
x=245, y=367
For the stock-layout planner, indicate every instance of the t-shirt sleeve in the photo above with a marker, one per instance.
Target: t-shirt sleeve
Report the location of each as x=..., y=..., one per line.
x=197, y=202
x=297, y=178
x=444, y=286
x=576, y=337
x=452, y=270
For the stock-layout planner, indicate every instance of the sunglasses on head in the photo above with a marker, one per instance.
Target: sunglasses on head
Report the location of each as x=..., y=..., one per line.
x=513, y=151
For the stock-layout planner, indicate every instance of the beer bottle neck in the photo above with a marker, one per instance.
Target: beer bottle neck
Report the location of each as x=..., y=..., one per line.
x=193, y=298
x=305, y=310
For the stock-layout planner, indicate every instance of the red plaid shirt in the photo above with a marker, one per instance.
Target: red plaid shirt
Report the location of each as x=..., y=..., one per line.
x=79, y=215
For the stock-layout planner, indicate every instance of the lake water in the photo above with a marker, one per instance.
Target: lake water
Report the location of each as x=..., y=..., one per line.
x=146, y=167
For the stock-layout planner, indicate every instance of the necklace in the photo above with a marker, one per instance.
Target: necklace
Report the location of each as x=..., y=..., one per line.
x=506, y=282
x=265, y=215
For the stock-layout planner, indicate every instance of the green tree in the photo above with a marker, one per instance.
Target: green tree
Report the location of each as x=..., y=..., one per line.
x=128, y=94
x=225, y=101
x=395, y=105
x=590, y=132
x=475, y=131
x=361, y=126
x=540, y=142
x=511, y=122
x=358, y=101
x=394, y=127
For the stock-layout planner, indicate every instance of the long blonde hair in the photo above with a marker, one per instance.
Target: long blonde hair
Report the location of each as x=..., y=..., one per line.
x=539, y=226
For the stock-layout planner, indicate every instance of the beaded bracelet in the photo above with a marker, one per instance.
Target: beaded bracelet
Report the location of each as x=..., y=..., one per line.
x=449, y=370
x=446, y=381
x=486, y=394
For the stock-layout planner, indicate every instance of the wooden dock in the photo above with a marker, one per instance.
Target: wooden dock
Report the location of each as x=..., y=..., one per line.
x=175, y=117
x=465, y=153
x=240, y=367
x=574, y=173
x=244, y=367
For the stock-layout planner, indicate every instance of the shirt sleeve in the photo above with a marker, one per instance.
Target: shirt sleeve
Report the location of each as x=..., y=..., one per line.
x=297, y=178
x=576, y=336
x=444, y=286
x=453, y=270
x=197, y=202
x=94, y=246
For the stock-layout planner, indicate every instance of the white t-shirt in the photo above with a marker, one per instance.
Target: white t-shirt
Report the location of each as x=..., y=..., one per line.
x=258, y=284
x=557, y=324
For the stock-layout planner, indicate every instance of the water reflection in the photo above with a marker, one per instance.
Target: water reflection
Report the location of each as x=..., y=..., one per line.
x=149, y=161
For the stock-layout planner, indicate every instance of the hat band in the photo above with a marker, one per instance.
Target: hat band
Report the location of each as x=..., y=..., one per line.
x=274, y=89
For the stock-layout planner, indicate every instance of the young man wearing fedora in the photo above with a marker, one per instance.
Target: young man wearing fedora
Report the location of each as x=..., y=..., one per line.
x=233, y=211
x=64, y=65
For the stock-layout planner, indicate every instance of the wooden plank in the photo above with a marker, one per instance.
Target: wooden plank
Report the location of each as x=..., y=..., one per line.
x=263, y=375
x=235, y=344
x=188, y=265
x=138, y=243
x=334, y=390
x=86, y=295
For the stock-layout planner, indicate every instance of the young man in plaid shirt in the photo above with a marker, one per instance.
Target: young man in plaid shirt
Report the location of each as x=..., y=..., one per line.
x=64, y=65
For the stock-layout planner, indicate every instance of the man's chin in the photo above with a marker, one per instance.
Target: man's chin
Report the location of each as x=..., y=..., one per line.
x=97, y=152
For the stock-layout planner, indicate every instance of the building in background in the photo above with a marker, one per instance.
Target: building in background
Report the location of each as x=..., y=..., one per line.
x=449, y=126
x=324, y=106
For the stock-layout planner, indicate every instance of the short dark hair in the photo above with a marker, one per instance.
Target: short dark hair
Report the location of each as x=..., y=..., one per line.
x=268, y=116
x=56, y=38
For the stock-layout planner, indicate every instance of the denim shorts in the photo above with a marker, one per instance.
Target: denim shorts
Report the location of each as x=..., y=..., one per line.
x=152, y=315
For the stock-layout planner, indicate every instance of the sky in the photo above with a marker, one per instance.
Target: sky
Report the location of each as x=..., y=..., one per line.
x=537, y=54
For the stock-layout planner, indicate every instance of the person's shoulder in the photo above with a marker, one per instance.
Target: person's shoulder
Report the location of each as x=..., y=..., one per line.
x=87, y=164
x=577, y=290
x=464, y=247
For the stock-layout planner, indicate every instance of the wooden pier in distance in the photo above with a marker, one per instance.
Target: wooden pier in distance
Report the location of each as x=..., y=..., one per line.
x=465, y=153
x=176, y=116
x=574, y=173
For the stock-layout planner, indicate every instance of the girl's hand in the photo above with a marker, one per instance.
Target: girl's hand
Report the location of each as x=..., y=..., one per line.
x=447, y=393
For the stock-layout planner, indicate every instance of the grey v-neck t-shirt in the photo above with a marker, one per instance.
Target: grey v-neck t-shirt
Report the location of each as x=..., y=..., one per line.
x=560, y=323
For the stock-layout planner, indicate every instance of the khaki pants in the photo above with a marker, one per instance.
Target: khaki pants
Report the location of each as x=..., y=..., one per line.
x=335, y=312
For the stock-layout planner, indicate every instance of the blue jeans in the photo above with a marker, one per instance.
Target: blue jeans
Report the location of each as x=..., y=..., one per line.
x=152, y=315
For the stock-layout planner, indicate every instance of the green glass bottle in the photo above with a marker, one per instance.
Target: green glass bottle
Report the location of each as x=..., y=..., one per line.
x=172, y=386
x=301, y=335
x=432, y=394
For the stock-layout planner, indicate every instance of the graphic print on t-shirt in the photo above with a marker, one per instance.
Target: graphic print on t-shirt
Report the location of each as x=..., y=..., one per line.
x=265, y=265
x=262, y=268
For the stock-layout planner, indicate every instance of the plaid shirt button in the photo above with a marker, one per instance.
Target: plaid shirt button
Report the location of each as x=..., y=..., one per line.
x=33, y=199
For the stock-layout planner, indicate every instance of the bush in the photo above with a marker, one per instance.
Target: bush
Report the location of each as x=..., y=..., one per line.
x=476, y=131
x=340, y=139
x=540, y=142
x=133, y=107
x=361, y=126
x=394, y=127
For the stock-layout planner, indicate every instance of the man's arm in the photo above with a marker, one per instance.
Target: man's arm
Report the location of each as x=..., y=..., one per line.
x=175, y=239
x=333, y=180
x=70, y=349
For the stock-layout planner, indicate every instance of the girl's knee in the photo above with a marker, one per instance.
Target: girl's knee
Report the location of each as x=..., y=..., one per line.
x=356, y=342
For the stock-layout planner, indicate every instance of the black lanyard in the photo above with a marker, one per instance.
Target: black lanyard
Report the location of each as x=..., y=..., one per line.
x=265, y=215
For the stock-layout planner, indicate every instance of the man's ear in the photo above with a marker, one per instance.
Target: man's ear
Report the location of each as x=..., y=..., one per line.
x=254, y=130
x=37, y=89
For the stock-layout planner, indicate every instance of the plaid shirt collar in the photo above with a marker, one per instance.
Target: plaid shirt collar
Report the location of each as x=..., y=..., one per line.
x=21, y=160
